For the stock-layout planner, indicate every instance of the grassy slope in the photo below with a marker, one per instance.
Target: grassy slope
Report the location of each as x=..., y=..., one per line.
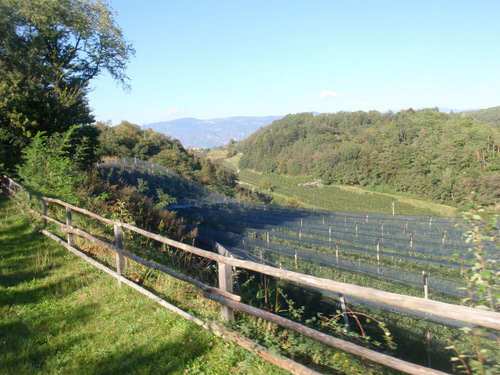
x=344, y=198
x=336, y=198
x=60, y=315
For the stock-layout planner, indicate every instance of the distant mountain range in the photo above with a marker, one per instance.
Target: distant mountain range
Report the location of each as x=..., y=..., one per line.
x=194, y=132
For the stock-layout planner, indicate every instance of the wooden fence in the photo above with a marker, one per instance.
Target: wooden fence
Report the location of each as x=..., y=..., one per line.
x=230, y=301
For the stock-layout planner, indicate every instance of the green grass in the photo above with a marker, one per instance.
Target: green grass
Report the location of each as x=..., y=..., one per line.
x=342, y=198
x=58, y=314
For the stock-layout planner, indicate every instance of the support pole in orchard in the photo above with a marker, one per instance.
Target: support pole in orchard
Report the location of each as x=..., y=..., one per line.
x=393, y=208
x=426, y=284
x=378, y=256
x=378, y=252
x=344, y=313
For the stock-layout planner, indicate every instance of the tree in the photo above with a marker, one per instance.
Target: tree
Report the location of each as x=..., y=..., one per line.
x=49, y=52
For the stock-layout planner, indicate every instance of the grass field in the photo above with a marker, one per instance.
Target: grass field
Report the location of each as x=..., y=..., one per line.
x=341, y=198
x=58, y=314
x=334, y=197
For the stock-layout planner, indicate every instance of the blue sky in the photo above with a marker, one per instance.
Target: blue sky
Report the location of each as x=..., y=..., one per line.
x=210, y=59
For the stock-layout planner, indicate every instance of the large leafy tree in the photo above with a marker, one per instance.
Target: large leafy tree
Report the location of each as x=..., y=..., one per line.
x=49, y=52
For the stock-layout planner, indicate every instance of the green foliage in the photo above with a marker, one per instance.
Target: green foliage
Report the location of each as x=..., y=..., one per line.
x=128, y=140
x=483, y=273
x=478, y=352
x=164, y=199
x=282, y=298
x=49, y=52
x=50, y=168
x=266, y=184
x=431, y=154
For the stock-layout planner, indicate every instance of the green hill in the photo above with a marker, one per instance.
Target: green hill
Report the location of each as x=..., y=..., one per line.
x=434, y=155
x=491, y=115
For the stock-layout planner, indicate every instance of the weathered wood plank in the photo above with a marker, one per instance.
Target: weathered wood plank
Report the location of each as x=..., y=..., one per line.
x=69, y=223
x=225, y=275
x=120, y=259
x=346, y=346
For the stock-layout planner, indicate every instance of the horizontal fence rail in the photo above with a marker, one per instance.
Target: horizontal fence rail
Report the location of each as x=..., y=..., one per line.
x=229, y=300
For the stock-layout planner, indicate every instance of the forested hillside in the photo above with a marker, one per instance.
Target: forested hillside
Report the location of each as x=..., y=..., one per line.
x=127, y=140
x=491, y=115
x=436, y=155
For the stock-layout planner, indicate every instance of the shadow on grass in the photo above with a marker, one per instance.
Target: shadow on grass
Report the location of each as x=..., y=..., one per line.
x=25, y=258
x=28, y=344
x=172, y=355
x=32, y=295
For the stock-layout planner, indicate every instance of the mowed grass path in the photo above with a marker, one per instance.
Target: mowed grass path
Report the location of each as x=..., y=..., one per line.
x=59, y=315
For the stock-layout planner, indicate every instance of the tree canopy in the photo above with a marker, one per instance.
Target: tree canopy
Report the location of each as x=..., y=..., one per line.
x=127, y=140
x=435, y=155
x=49, y=52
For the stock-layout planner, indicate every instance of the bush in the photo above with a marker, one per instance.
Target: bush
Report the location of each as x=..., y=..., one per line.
x=51, y=166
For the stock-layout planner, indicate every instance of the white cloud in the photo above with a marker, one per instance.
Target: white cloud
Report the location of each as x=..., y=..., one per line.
x=328, y=93
x=173, y=110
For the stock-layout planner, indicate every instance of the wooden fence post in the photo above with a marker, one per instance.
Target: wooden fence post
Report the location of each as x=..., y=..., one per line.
x=69, y=223
x=225, y=283
x=120, y=259
x=44, y=212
